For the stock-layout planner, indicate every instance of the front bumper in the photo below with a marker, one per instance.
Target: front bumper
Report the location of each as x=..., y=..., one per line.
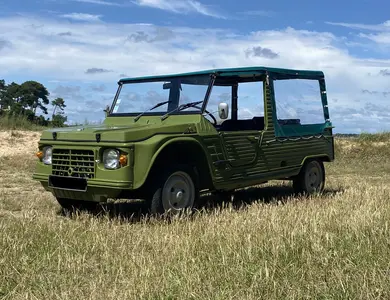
x=98, y=183
x=79, y=173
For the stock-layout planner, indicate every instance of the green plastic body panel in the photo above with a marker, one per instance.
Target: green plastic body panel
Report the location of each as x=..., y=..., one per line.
x=235, y=159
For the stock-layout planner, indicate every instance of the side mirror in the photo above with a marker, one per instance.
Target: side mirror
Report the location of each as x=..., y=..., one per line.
x=167, y=85
x=223, y=110
x=106, y=110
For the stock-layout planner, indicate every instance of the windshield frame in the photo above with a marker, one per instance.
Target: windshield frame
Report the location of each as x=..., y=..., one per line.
x=162, y=80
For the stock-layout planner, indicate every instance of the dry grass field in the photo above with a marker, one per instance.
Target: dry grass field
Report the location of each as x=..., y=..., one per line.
x=266, y=244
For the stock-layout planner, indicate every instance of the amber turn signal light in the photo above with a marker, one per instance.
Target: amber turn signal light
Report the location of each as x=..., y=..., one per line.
x=123, y=160
x=39, y=154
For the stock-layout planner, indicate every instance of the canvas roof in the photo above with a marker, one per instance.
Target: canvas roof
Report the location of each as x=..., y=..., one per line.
x=277, y=73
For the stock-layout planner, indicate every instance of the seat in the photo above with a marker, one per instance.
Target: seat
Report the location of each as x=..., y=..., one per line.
x=289, y=121
x=256, y=123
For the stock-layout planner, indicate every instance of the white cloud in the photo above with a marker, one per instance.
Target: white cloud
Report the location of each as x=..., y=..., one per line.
x=380, y=38
x=99, y=53
x=385, y=26
x=99, y=2
x=381, y=35
x=82, y=17
x=180, y=6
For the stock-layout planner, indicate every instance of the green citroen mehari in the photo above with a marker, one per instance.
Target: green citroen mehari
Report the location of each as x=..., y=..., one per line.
x=166, y=139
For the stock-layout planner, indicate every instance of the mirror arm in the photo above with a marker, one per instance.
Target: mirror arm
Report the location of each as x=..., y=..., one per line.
x=107, y=110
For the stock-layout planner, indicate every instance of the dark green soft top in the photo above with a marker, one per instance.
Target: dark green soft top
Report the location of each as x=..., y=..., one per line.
x=277, y=73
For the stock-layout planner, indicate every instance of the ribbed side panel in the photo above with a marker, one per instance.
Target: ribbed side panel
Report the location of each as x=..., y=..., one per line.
x=239, y=149
x=247, y=172
x=293, y=152
x=214, y=149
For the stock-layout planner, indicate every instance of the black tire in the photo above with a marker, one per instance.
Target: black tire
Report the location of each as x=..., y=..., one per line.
x=179, y=179
x=71, y=205
x=311, y=178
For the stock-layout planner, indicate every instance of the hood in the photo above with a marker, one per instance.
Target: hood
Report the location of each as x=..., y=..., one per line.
x=113, y=133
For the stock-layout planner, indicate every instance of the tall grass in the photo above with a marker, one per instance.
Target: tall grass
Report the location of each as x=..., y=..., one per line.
x=374, y=137
x=22, y=123
x=18, y=123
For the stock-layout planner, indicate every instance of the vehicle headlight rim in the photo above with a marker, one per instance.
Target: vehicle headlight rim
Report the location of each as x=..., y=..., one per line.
x=47, y=158
x=111, y=159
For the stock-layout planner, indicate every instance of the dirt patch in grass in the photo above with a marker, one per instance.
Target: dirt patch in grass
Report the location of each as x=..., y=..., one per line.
x=14, y=142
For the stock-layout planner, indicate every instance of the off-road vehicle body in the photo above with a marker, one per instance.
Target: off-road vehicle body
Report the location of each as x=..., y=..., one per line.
x=161, y=141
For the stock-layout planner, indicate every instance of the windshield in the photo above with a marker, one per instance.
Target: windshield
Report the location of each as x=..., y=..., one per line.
x=161, y=96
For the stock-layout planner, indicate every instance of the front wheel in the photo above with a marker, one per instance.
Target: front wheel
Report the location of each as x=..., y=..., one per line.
x=175, y=191
x=311, y=178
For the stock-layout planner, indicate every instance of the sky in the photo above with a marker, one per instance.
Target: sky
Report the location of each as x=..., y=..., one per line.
x=79, y=49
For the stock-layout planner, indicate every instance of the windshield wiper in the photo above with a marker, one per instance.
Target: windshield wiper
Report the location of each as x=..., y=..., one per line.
x=181, y=107
x=157, y=105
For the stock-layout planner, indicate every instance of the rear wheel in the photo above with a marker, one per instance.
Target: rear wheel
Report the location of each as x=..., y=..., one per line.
x=311, y=178
x=175, y=191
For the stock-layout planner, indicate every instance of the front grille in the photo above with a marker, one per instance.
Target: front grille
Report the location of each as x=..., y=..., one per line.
x=74, y=163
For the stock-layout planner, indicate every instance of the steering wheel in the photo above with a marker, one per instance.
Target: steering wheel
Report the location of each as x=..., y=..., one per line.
x=212, y=117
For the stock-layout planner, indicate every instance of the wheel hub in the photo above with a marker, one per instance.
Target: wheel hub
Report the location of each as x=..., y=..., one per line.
x=313, y=178
x=178, y=192
x=179, y=195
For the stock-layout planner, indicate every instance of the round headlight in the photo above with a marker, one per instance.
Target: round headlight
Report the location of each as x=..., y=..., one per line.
x=111, y=159
x=47, y=155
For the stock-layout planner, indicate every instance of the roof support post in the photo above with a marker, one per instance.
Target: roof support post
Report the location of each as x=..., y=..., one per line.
x=234, y=101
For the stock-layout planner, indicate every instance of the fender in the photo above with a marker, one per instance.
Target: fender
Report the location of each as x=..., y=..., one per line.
x=323, y=157
x=163, y=147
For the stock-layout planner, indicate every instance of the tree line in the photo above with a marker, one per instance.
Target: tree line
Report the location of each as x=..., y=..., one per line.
x=27, y=100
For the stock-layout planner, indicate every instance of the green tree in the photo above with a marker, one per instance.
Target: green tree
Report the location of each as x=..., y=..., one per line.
x=34, y=95
x=3, y=89
x=59, y=119
x=8, y=93
x=58, y=103
x=24, y=99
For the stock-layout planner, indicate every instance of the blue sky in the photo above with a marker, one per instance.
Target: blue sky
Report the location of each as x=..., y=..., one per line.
x=80, y=48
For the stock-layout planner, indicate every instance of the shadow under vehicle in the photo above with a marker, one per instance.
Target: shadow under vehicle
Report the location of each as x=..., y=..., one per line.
x=168, y=138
